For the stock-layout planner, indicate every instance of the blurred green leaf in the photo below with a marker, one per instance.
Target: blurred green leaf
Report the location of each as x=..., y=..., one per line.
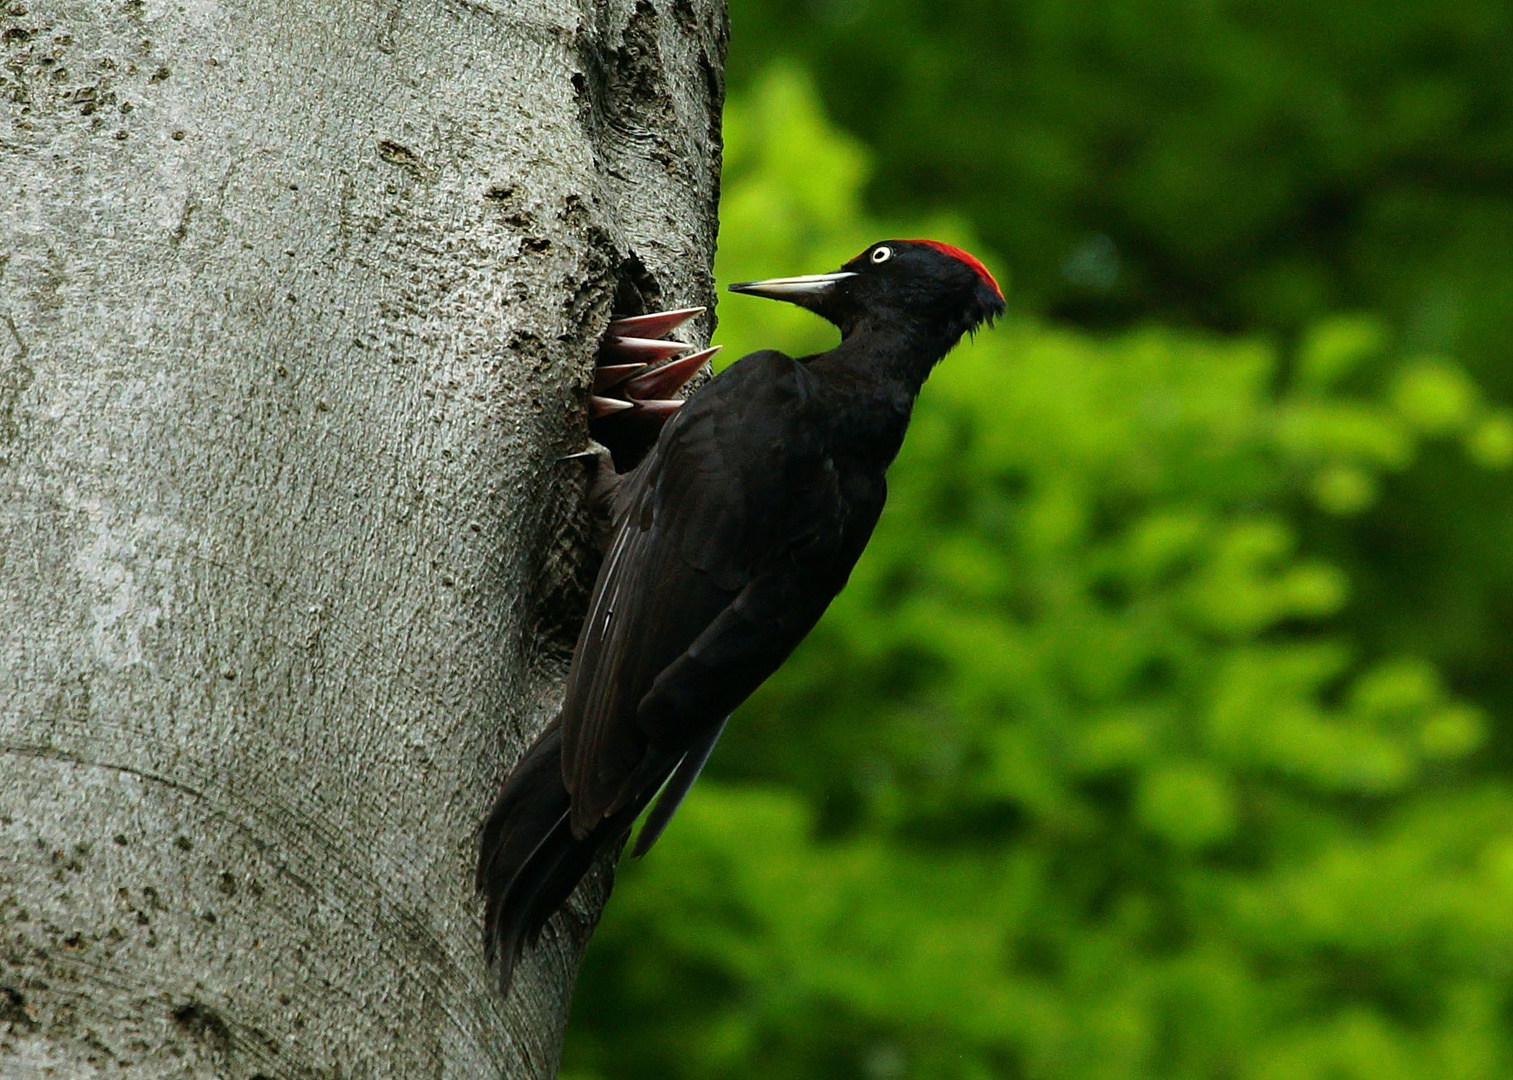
x=1091, y=773
x=1434, y=395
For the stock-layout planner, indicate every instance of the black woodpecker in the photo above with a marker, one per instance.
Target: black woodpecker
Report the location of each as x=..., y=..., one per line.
x=729, y=539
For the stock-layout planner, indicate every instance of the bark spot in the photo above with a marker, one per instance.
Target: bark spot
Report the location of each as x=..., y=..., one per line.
x=399, y=154
x=636, y=288
x=639, y=68
x=181, y=229
x=505, y=197
x=15, y=377
x=203, y=1023
x=388, y=34
x=687, y=17
x=14, y=1009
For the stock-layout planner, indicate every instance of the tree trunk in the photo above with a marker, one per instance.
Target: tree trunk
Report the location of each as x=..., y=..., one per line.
x=298, y=307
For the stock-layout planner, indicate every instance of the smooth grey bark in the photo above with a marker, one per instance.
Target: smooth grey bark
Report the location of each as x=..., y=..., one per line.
x=298, y=307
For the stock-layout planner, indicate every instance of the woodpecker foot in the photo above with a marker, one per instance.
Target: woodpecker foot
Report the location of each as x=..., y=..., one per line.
x=637, y=381
x=603, y=481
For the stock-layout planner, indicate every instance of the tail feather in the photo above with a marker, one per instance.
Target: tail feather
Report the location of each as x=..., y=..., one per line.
x=522, y=817
x=529, y=861
x=519, y=916
x=523, y=841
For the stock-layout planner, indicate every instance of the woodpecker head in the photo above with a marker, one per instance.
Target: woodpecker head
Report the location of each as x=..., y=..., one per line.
x=914, y=285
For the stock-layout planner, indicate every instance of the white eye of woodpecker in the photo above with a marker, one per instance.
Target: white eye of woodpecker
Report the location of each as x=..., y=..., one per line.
x=882, y=254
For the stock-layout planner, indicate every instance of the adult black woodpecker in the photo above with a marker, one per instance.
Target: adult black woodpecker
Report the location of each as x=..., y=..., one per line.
x=729, y=540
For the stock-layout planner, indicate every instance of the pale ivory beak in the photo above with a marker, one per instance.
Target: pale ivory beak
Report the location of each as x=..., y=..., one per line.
x=792, y=288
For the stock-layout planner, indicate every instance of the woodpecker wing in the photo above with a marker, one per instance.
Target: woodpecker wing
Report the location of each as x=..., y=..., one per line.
x=724, y=556
x=676, y=788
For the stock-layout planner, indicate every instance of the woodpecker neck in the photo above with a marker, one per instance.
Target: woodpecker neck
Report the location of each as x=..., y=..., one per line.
x=874, y=375
x=898, y=355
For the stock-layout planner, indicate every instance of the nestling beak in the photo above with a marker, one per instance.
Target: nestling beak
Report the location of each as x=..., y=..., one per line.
x=793, y=288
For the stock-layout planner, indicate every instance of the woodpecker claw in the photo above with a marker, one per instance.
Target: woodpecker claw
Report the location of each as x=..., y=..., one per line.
x=638, y=379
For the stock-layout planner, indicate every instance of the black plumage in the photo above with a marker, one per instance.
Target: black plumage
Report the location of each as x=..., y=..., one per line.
x=730, y=539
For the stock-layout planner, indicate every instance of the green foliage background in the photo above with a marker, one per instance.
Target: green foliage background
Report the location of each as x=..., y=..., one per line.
x=1163, y=731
